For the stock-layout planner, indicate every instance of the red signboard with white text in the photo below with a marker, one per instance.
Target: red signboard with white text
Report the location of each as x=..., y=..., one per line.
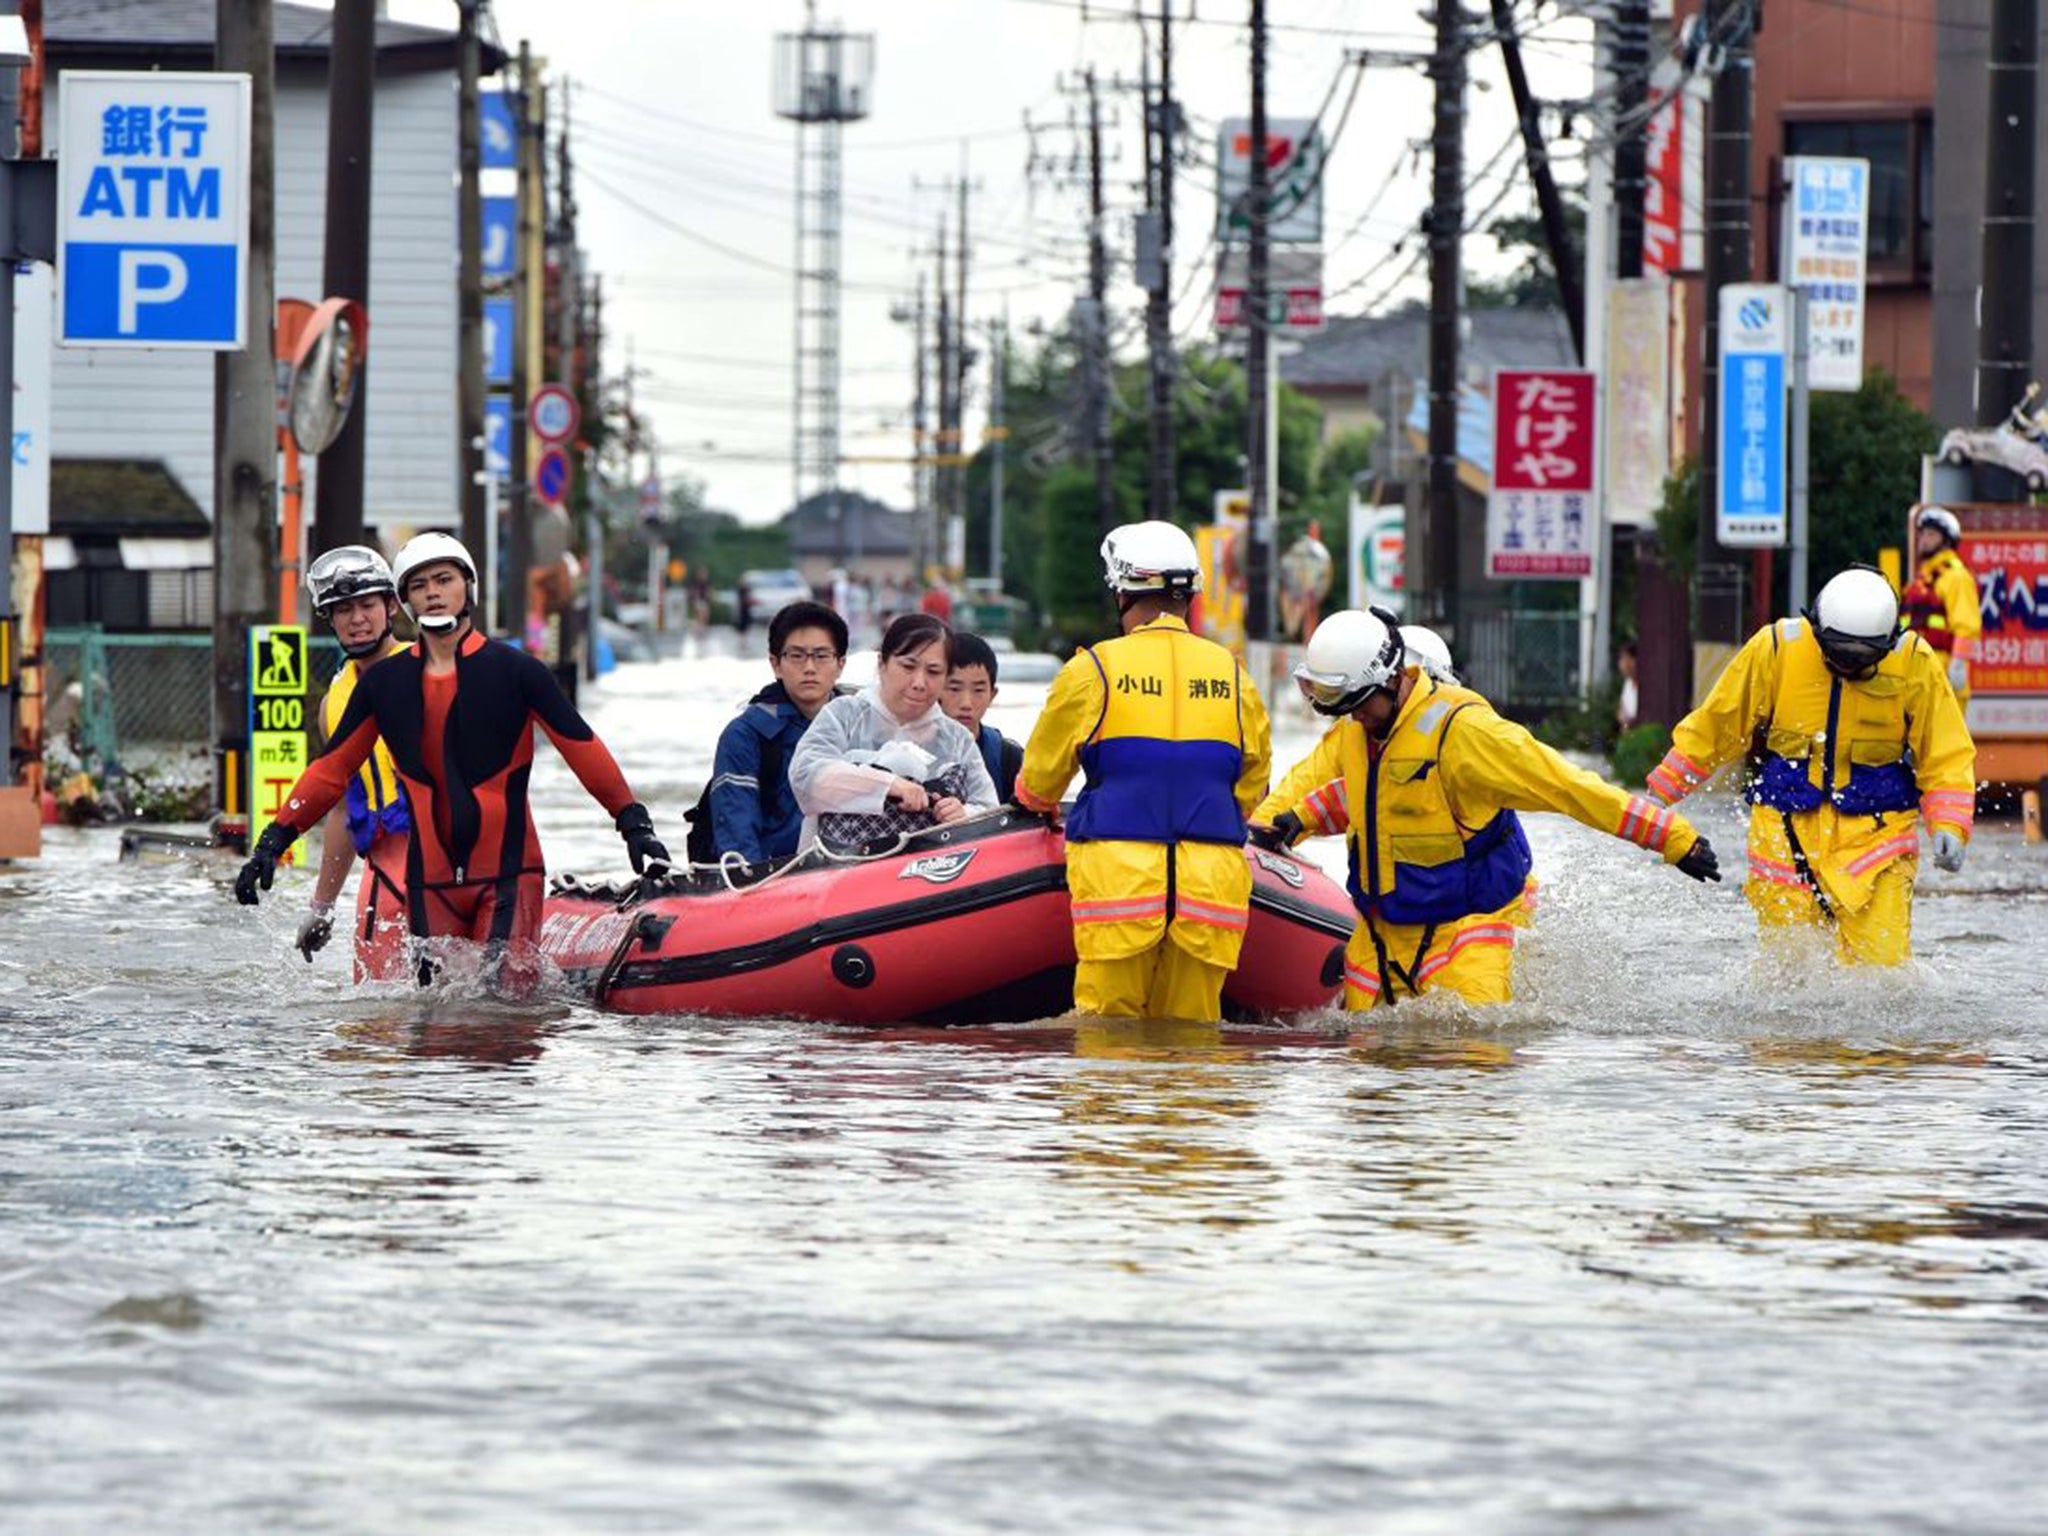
x=1541, y=517
x=2009, y=675
x=1664, y=187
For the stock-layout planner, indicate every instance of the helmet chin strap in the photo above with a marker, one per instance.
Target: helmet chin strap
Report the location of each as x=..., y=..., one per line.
x=446, y=623
x=369, y=647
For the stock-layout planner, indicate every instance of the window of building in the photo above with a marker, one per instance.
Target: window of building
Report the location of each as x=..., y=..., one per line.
x=1901, y=155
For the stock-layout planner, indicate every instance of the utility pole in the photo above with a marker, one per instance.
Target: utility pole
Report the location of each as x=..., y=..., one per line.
x=1729, y=23
x=1159, y=300
x=1098, y=299
x=1258, y=363
x=998, y=436
x=949, y=417
x=956, y=503
x=1446, y=237
x=345, y=268
x=1557, y=235
x=2005, y=329
x=921, y=442
x=526, y=283
x=469, y=426
x=245, y=426
x=1631, y=54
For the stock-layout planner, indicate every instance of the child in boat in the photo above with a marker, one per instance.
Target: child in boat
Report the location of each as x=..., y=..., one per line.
x=889, y=758
x=970, y=689
x=748, y=807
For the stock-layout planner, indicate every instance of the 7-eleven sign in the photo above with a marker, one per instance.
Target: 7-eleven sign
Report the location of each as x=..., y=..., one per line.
x=1294, y=177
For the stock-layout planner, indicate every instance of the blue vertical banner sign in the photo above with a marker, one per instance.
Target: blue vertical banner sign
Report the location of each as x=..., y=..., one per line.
x=498, y=343
x=153, y=210
x=500, y=236
x=1750, y=436
x=498, y=436
x=498, y=130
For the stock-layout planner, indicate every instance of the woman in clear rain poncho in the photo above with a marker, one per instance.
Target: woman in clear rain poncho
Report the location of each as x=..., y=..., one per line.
x=888, y=759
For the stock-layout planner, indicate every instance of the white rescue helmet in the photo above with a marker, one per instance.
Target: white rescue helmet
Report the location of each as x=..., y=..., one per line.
x=1426, y=648
x=353, y=570
x=1151, y=557
x=1353, y=653
x=1942, y=519
x=435, y=549
x=1856, y=621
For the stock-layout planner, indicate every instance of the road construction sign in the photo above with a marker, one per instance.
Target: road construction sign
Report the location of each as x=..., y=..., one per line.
x=277, y=660
x=278, y=748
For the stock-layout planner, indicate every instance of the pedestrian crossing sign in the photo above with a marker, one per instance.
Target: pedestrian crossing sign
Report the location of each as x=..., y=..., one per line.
x=277, y=661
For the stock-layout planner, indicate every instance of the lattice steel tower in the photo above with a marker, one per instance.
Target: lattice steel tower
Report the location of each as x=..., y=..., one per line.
x=822, y=80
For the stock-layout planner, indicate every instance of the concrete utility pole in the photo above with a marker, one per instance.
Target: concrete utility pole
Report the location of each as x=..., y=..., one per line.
x=10, y=103
x=1159, y=300
x=2005, y=306
x=1730, y=24
x=245, y=427
x=1446, y=239
x=1631, y=56
x=345, y=267
x=526, y=285
x=949, y=416
x=1098, y=335
x=998, y=435
x=963, y=358
x=921, y=442
x=469, y=425
x=1557, y=235
x=1260, y=450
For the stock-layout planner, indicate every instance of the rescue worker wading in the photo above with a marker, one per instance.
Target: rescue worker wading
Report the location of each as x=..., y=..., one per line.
x=1424, y=779
x=354, y=592
x=1173, y=740
x=457, y=711
x=1855, y=731
x=1941, y=605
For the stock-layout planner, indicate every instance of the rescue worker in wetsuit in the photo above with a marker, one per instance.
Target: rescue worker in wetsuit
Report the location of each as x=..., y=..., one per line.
x=1424, y=779
x=1942, y=605
x=356, y=595
x=1173, y=739
x=457, y=711
x=1856, y=736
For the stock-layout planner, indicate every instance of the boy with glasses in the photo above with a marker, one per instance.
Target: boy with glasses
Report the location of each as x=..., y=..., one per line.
x=747, y=807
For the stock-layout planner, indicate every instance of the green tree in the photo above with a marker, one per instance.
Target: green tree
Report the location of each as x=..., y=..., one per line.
x=1069, y=567
x=1533, y=282
x=1865, y=473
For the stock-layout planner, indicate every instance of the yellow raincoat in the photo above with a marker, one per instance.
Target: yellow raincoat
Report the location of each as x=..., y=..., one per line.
x=1847, y=768
x=1942, y=606
x=1174, y=741
x=1438, y=859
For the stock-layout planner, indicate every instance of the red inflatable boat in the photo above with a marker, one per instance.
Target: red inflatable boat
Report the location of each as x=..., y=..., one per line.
x=962, y=924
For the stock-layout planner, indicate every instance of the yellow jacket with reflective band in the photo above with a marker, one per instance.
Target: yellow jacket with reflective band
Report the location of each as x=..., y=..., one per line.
x=1953, y=621
x=1152, y=715
x=376, y=806
x=1419, y=815
x=1779, y=686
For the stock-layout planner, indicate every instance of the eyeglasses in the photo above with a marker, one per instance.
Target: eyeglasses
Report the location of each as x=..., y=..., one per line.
x=821, y=656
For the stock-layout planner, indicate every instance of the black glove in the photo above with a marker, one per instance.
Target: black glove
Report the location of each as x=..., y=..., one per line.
x=262, y=866
x=1700, y=863
x=642, y=846
x=314, y=933
x=1280, y=836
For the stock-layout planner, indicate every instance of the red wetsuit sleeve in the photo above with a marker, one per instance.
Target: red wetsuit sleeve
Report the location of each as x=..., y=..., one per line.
x=327, y=780
x=588, y=758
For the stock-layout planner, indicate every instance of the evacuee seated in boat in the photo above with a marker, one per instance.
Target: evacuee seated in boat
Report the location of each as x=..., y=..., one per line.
x=970, y=689
x=748, y=807
x=888, y=759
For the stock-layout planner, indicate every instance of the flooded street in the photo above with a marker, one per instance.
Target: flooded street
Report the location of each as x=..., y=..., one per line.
x=1676, y=1243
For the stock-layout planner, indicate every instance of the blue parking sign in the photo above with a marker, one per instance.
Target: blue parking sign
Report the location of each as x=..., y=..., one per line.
x=153, y=216
x=498, y=331
x=498, y=437
x=500, y=236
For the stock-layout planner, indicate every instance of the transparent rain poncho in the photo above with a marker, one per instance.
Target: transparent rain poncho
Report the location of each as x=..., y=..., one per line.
x=855, y=749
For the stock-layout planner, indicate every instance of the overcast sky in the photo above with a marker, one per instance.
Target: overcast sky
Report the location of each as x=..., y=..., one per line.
x=674, y=136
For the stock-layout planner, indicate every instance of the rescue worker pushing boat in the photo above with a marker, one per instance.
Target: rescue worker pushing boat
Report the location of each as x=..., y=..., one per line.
x=457, y=711
x=1424, y=779
x=1173, y=739
x=355, y=593
x=1858, y=736
x=1941, y=605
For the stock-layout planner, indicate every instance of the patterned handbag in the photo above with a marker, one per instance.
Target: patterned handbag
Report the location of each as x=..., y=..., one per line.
x=860, y=831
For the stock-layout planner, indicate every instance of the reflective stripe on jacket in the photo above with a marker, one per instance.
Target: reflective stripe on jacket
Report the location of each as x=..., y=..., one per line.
x=375, y=802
